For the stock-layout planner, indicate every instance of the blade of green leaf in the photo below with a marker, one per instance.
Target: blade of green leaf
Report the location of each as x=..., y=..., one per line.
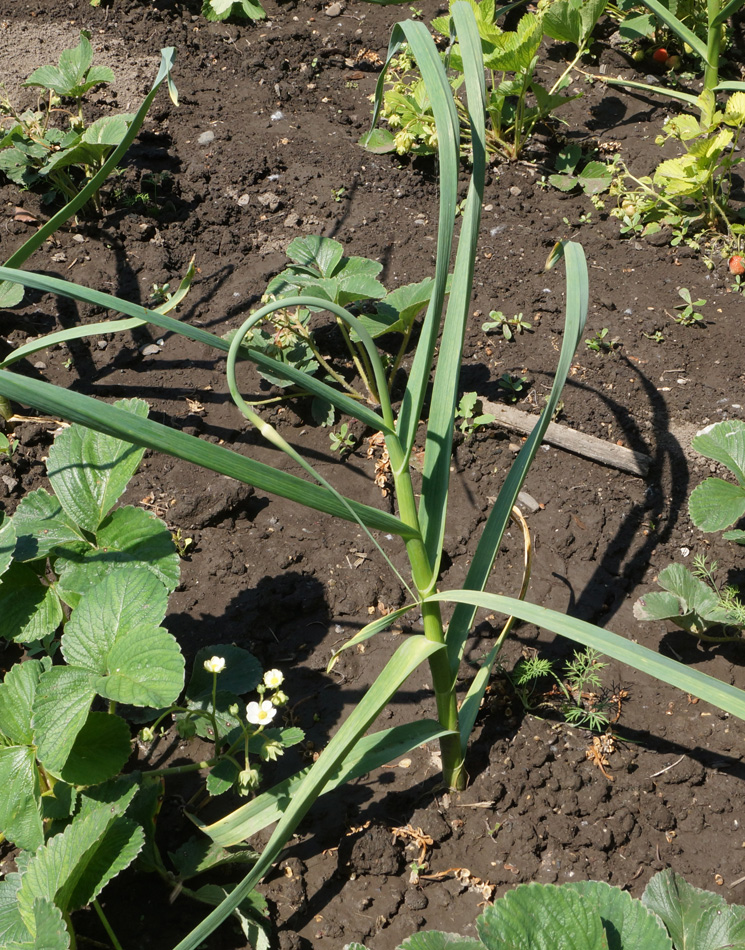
x=145, y=432
x=726, y=697
x=439, y=436
x=423, y=49
x=577, y=296
x=17, y=694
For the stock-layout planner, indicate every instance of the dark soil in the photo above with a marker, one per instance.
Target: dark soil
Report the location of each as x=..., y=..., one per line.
x=286, y=101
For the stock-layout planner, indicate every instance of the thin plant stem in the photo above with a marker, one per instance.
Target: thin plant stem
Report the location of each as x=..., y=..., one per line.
x=106, y=925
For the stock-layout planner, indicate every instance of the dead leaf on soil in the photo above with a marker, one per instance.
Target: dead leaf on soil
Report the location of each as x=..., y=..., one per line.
x=25, y=217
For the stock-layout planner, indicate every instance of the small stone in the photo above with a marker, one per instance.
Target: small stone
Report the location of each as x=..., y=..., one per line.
x=40, y=365
x=150, y=350
x=243, y=200
x=292, y=220
x=269, y=200
x=334, y=9
x=206, y=138
x=78, y=238
x=515, y=191
x=102, y=344
x=10, y=483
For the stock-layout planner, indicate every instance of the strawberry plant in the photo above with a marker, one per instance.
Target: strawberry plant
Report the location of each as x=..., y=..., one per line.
x=88, y=583
x=510, y=57
x=321, y=270
x=35, y=151
x=693, y=600
x=585, y=915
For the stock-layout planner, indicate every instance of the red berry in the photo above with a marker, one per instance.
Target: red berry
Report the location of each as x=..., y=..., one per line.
x=660, y=55
x=737, y=265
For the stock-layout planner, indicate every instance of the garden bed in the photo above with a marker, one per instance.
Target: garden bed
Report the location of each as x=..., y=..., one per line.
x=263, y=149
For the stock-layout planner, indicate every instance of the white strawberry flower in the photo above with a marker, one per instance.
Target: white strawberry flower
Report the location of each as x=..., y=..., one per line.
x=260, y=714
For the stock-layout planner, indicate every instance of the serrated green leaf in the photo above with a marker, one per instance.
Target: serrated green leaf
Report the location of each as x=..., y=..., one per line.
x=42, y=526
x=128, y=538
x=222, y=777
x=74, y=866
x=17, y=694
x=145, y=667
x=595, y=177
x=50, y=932
x=637, y=27
x=12, y=927
x=59, y=804
x=563, y=182
x=694, y=918
x=29, y=610
x=436, y=940
x=89, y=470
x=321, y=253
x=541, y=917
x=725, y=443
x=377, y=141
x=714, y=505
x=11, y=294
x=7, y=542
x=20, y=814
x=241, y=675
x=737, y=536
x=108, y=130
x=122, y=601
x=227, y=721
x=628, y=924
x=99, y=752
x=61, y=705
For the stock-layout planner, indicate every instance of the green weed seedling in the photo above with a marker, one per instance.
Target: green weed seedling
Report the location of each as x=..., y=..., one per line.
x=587, y=915
x=342, y=441
x=594, y=177
x=578, y=692
x=507, y=326
x=34, y=151
x=414, y=530
x=513, y=387
x=689, y=315
x=470, y=415
x=693, y=600
x=599, y=343
x=88, y=583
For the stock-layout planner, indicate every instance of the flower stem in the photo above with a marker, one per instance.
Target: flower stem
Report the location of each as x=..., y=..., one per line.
x=107, y=926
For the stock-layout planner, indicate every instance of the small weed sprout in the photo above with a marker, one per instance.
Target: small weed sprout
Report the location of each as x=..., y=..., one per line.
x=470, y=415
x=513, y=387
x=507, y=326
x=655, y=337
x=579, y=691
x=160, y=293
x=689, y=316
x=342, y=441
x=600, y=343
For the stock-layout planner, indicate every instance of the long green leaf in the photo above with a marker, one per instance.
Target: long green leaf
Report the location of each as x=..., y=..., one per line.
x=577, y=296
x=656, y=90
x=425, y=52
x=439, y=438
x=680, y=30
x=412, y=652
x=145, y=432
x=370, y=753
x=726, y=12
x=54, y=285
x=726, y=697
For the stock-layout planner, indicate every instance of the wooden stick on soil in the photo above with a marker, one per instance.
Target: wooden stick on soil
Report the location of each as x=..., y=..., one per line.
x=588, y=446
